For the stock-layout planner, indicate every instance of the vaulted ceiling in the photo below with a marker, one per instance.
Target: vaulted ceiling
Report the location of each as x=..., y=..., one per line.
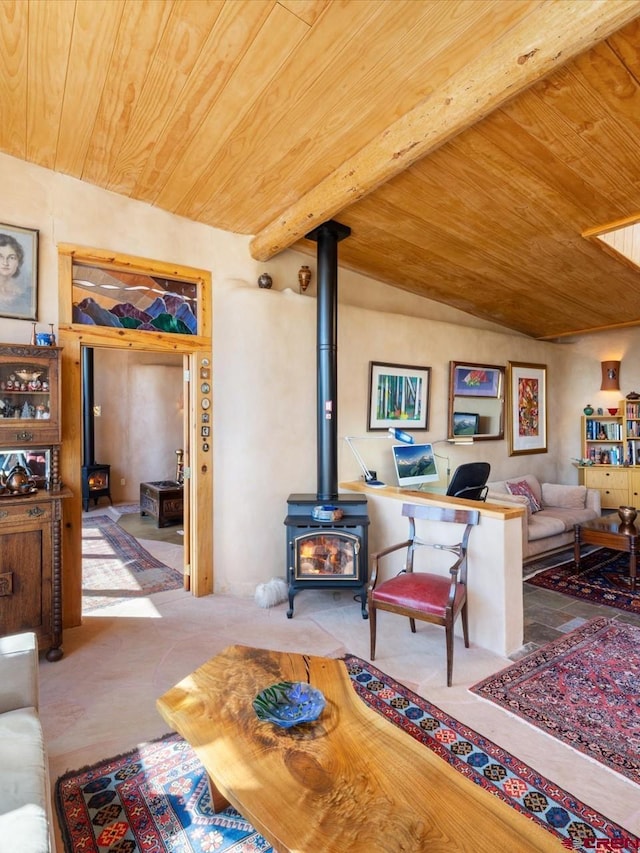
x=468, y=144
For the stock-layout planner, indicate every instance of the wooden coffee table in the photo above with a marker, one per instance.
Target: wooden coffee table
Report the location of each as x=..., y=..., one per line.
x=351, y=781
x=609, y=532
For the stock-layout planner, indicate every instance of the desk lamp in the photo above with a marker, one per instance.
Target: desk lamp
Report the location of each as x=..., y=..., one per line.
x=395, y=434
x=457, y=440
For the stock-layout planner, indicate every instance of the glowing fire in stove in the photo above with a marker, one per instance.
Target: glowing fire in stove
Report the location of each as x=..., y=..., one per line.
x=327, y=555
x=98, y=480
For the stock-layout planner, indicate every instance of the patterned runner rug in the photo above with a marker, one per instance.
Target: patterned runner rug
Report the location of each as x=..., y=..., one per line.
x=603, y=578
x=583, y=689
x=156, y=797
x=116, y=568
x=116, y=510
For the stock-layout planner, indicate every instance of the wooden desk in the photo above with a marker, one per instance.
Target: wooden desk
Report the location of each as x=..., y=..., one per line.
x=351, y=782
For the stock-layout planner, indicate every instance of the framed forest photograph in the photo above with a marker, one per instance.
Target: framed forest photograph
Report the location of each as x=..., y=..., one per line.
x=398, y=396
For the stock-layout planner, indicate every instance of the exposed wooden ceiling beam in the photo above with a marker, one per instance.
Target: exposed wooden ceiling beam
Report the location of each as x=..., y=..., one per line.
x=548, y=38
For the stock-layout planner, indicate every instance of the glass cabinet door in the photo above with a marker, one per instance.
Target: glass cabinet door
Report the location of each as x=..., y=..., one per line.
x=29, y=395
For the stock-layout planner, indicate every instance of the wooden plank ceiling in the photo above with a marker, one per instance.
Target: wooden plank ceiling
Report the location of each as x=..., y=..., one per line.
x=467, y=143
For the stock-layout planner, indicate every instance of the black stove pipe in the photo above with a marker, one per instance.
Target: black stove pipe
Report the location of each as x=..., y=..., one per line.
x=88, y=434
x=327, y=236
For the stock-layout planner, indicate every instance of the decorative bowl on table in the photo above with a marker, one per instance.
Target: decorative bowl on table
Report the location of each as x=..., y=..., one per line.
x=289, y=703
x=327, y=512
x=627, y=514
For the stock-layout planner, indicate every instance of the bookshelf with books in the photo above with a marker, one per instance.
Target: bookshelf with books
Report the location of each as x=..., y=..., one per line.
x=631, y=409
x=603, y=439
x=611, y=444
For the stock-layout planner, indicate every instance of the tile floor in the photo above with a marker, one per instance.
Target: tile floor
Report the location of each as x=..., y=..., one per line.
x=548, y=615
x=146, y=527
x=99, y=700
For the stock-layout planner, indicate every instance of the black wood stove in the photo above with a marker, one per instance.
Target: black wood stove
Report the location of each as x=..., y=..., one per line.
x=323, y=554
x=327, y=533
x=96, y=477
x=95, y=484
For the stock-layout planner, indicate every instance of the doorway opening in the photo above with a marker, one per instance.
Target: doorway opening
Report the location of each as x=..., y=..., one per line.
x=195, y=352
x=133, y=527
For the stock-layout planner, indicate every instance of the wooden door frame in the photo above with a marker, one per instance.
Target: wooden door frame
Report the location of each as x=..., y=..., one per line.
x=196, y=350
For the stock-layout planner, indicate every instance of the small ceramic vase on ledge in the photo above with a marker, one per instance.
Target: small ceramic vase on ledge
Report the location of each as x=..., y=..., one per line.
x=304, y=277
x=588, y=409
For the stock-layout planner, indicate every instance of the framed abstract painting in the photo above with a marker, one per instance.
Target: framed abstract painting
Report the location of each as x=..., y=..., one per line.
x=527, y=386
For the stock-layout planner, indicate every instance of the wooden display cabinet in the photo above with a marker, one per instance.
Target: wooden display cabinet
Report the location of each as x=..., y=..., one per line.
x=29, y=395
x=31, y=512
x=30, y=568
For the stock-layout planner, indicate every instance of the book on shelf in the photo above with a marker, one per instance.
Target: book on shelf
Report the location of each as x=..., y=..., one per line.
x=603, y=431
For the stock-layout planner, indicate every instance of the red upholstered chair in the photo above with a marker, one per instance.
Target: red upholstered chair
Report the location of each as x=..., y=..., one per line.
x=430, y=597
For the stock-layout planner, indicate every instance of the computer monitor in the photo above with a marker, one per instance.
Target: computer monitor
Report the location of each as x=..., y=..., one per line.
x=466, y=423
x=415, y=464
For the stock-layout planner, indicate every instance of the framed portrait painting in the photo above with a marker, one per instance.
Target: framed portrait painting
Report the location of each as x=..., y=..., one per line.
x=18, y=272
x=398, y=396
x=527, y=385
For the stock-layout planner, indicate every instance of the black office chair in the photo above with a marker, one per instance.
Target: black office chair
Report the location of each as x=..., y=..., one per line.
x=469, y=481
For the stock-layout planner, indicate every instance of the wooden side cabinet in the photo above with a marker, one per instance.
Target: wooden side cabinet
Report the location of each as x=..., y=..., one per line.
x=634, y=487
x=30, y=568
x=613, y=483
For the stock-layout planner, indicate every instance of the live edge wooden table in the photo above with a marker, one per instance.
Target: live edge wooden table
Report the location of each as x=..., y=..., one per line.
x=609, y=532
x=351, y=781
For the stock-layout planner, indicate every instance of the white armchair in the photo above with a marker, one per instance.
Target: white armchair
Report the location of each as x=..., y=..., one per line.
x=25, y=794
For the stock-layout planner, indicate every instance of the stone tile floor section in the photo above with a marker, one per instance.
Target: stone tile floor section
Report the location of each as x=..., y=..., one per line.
x=548, y=615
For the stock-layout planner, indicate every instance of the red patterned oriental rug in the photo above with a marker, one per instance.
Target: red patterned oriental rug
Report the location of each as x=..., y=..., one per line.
x=583, y=689
x=155, y=799
x=603, y=578
x=116, y=568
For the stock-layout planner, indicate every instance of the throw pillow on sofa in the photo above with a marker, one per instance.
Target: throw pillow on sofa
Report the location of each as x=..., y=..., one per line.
x=521, y=487
x=569, y=497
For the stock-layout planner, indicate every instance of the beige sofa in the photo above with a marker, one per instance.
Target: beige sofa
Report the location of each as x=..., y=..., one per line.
x=26, y=821
x=562, y=506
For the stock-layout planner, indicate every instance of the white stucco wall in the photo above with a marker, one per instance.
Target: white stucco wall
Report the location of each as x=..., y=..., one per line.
x=140, y=427
x=264, y=359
